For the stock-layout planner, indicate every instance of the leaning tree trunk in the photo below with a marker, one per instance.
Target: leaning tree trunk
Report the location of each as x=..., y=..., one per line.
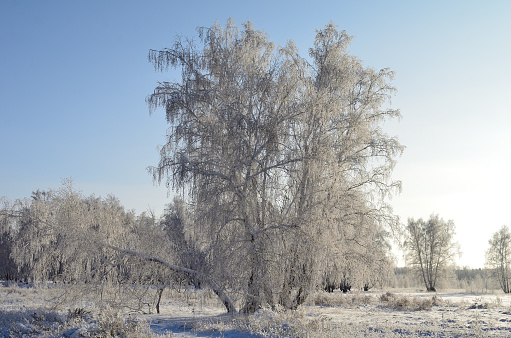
x=224, y=298
x=160, y=292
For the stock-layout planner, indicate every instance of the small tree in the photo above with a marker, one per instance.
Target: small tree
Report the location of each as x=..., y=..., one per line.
x=498, y=257
x=430, y=248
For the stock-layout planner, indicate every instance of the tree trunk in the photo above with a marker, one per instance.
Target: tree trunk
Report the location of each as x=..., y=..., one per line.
x=253, y=301
x=160, y=291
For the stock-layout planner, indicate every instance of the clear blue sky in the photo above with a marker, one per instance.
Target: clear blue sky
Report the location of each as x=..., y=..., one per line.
x=74, y=76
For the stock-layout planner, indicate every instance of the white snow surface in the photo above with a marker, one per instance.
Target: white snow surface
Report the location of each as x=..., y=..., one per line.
x=26, y=312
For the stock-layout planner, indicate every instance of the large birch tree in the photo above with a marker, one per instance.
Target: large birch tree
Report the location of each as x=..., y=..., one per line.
x=279, y=156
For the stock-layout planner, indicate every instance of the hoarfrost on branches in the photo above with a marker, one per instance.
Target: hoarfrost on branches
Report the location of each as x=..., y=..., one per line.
x=282, y=162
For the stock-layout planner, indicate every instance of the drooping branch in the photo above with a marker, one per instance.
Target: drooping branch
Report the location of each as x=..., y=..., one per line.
x=214, y=286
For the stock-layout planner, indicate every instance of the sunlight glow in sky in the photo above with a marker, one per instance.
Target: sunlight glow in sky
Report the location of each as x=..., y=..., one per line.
x=74, y=77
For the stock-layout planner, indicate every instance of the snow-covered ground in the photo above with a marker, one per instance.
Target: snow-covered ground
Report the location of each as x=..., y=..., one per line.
x=26, y=311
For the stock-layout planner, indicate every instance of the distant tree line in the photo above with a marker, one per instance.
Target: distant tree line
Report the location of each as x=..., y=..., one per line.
x=454, y=278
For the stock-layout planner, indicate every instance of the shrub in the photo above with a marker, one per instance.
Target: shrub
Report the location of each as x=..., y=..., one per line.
x=341, y=299
x=409, y=303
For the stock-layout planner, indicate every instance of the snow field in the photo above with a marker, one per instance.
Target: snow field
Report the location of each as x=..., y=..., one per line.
x=29, y=311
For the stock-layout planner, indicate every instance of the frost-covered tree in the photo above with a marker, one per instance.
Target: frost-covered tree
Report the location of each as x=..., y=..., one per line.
x=64, y=236
x=274, y=155
x=8, y=270
x=498, y=257
x=430, y=248
x=56, y=232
